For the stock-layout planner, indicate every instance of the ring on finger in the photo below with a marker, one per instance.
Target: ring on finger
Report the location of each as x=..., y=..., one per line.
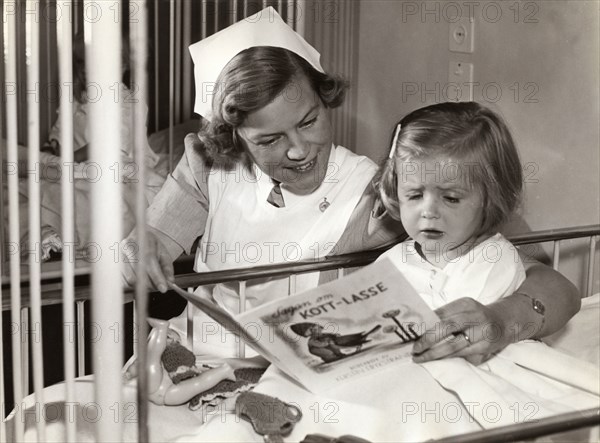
x=468, y=340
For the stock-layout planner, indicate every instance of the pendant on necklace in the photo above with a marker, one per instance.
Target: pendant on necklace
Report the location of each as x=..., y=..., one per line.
x=324, y=204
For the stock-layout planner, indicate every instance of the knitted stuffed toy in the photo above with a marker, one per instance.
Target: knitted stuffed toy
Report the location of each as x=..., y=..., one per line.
x=180, y=363
x=246, y=378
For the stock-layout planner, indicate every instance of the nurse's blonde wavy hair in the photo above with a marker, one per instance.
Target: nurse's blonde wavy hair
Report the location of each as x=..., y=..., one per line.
x=467, y=133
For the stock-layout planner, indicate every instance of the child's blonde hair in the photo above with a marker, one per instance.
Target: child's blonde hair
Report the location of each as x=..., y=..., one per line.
x=466, y=132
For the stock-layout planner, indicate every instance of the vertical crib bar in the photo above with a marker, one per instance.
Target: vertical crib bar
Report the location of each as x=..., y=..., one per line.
x=216, y=18
x=189, y=327
x=203, y=28
x=300, y=19
x=242, y=308
x=157, y=71
x=347, y=33
x=187, y=60
x=3, y=258
x=65, y=76
x=234, y=16
x=171, y=79
x=49, y=28
x=590, y=271
x=76, y=18
x=10, y=85
x=139, y=38
x=289, y=13
x=80, y=338
x=328, y=44
x=2, y=394
x=594, y=434
x=24, y=333
x=292, y=284
x=340, y=272
x=103, y=69
x=556, y=255
x=178, y=55
x=32, y=41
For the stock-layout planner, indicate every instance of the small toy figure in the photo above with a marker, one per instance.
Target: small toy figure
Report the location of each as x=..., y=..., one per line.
x=173, y=376
x=329, y=346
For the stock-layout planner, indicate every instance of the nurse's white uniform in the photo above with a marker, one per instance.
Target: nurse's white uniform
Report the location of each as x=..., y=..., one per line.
x=244, y=230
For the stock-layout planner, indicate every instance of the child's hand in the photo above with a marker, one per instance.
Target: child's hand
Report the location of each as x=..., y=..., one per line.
x=467, y=329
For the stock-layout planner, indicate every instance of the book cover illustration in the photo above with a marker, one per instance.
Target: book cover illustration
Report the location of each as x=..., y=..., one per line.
x=343, y=329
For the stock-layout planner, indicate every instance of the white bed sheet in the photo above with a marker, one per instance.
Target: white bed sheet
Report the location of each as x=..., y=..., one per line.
x=526, y=381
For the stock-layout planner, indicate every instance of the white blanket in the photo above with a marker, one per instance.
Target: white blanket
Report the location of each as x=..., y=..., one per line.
x=405, y=402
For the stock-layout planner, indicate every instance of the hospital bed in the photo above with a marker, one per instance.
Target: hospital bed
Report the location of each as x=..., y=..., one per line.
x=580, y=338
x=100, y=407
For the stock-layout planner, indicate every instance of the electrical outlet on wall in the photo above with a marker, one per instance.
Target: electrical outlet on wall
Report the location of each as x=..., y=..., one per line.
x=460, y=81
x=462, y=35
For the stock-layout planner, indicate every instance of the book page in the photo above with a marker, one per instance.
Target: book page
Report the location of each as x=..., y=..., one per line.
x=342, y=330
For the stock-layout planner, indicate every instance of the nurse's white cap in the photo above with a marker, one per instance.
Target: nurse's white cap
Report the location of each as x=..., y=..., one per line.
x=265, y=28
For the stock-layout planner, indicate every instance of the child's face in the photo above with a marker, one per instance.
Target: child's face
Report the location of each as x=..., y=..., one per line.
x=438, y=208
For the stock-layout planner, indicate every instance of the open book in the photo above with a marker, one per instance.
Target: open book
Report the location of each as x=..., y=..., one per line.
x=336, y=332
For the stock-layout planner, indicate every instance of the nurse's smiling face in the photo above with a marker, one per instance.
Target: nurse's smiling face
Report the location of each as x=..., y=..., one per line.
x=290, y=138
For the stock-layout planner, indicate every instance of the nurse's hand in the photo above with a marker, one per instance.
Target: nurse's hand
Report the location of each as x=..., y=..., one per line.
x=467, y=329
x=159, y=265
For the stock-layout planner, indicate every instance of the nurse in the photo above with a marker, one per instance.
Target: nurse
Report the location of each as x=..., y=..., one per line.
x=263, y=183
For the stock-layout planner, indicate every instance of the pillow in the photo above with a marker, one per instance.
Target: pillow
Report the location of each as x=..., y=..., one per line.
x=580, y=337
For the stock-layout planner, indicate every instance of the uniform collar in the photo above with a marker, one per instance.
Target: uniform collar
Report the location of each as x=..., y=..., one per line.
x=264, y=185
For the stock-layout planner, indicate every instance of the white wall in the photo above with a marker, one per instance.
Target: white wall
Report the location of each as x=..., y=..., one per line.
x=548, y=53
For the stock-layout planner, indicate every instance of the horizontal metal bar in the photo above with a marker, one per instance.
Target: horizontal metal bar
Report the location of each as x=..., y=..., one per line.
x=279, y=270
x=530, y=430
x=52, y=295
x=357, y=259
x=52, y=269
x=554, y=234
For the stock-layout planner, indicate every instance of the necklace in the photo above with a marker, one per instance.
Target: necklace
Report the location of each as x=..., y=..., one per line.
x=324, y=204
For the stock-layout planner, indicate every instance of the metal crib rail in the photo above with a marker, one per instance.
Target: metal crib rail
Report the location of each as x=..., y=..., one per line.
x=555, y=234
x=52, y=286
x=52, y=294
x=530, y=430
x=359, y=259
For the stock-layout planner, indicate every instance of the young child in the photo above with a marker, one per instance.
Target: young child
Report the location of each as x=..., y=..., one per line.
x=453, y=177
x=127, y=98
x=127, y=169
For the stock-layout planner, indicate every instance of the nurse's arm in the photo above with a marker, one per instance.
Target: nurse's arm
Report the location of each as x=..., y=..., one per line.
x=175, y=219
x=557, y=294
x=493, y=327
